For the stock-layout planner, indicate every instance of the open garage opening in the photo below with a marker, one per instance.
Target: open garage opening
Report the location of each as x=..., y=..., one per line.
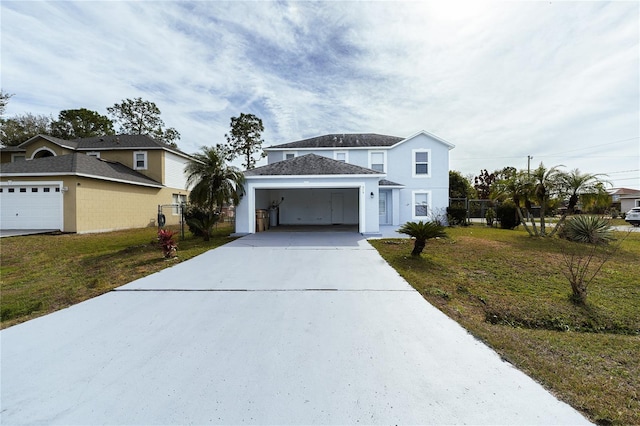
x=311, y=209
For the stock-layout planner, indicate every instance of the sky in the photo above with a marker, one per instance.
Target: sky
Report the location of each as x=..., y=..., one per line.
x=502, y=81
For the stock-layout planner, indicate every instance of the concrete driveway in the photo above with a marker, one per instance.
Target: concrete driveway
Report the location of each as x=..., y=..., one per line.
x=274, y=328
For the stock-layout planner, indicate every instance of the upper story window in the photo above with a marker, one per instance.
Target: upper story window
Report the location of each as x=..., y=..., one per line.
x=290, y=154
x=94, y=154
x=378, y=161
x=421, y=163
x=140, y=160
x=342, y=156
x=18, y=157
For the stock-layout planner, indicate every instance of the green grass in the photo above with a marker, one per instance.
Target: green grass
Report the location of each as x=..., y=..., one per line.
x=508, y=290
x=40, y=274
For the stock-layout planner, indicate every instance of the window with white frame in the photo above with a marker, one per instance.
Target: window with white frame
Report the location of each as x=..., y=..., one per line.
x=378, y=160
x=421, y=162
x=290, y=154
x=140, y=160
x=94, y=154
x=18, y=157
x=178, y=199
x=342, y=156
x=421, y=202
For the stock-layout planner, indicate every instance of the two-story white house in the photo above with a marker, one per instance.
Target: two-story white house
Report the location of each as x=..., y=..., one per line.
x=366, y=180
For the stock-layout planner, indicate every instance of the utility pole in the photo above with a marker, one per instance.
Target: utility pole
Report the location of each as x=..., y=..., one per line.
x=529, y=158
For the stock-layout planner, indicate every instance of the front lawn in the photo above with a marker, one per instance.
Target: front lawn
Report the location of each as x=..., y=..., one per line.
x=508, y=290
x=40, y=274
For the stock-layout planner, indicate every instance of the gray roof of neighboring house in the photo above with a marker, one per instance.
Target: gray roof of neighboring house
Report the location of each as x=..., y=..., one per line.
x=77, y=164
x=108, y=142
x=12, y=149
x=623, y=191
x=348, y=140
x=310, y=164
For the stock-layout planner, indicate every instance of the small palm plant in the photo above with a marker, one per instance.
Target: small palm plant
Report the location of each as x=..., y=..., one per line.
x=422, y=231
x=587, y=229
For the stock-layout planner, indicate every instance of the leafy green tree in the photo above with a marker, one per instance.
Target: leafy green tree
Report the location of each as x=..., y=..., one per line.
x=459, y=186
x=422, y=231
x=20, y=128
x=140, y=117
x=81, y=123
x=245, y=139
x=213, y=183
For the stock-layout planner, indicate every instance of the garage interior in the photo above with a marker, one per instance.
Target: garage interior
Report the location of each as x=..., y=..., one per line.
x=312, y=208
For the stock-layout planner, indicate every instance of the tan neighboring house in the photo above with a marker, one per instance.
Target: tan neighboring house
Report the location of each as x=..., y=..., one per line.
x=90, y=185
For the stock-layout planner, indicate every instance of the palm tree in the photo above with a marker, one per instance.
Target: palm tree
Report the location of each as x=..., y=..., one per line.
x=422, y=231
x=213, y=183
x=516, y=187
x=547, y=181
x=575, y=184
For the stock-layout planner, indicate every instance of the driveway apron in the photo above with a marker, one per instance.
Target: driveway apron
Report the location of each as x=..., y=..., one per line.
x=273, y=328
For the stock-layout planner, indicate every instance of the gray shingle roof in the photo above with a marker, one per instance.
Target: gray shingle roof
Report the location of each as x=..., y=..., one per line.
x=384, y=182
x=348, y=140
x=119, y=142
x=12, y=149
x=77, y=164
x=108, y=142
x=310, y=164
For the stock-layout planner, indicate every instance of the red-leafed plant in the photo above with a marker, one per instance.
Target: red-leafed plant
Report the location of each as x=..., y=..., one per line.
x=167, y=243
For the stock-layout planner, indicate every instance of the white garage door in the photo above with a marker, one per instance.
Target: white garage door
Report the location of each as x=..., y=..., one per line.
x=31, y=206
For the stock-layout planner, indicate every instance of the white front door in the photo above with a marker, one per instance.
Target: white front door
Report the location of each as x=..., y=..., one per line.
x=383, y=208
x=337, y=208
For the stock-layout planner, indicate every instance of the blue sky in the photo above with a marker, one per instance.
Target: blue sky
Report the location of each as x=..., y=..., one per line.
x=501, y=80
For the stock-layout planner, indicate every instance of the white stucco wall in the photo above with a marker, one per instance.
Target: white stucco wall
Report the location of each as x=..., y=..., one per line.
x=399, y=168
x=174, y=171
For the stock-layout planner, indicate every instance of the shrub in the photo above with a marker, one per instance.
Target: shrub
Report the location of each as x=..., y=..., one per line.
x=507, y=215
x=457, y=215
x=490, y=216
x=422, y=231
x=201, y=221
x=167, y=243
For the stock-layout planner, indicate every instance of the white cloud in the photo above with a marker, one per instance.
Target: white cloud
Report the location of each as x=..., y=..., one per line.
x=501, y=80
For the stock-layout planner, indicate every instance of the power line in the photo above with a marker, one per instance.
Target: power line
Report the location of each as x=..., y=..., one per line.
x=558, y=154
x=592, y=146
x=623, y=171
